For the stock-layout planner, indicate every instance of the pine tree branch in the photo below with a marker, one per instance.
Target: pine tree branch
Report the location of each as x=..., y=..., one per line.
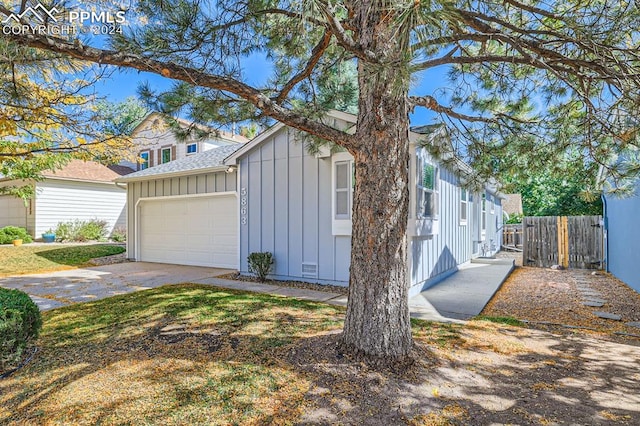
x=188, y=75
x=431, y=103
x=316, y=54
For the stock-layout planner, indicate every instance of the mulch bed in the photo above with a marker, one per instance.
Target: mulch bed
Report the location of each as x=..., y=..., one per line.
x=543, y=296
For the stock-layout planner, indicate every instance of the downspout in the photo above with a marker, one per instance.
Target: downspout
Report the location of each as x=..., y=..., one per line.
x=606, y=232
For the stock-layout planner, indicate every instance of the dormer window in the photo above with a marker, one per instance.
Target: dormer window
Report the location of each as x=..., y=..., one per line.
x=192, y=148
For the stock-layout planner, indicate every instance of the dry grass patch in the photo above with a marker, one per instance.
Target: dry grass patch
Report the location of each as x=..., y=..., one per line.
x=174, y=355
x=192, y=354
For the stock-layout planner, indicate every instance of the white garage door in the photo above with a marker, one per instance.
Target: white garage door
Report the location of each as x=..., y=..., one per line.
x=199, y=231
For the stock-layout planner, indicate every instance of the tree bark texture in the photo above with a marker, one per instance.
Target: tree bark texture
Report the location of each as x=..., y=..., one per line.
x=377, y=323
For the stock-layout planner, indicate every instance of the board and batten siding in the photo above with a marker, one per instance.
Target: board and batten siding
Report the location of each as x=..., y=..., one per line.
x=203, y=183
x=62, y=201
x=285, y=208
x=436, y=255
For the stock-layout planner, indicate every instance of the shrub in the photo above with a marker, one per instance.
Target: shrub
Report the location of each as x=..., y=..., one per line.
x=515, y=218
x=260, y=264
x=119, y=234
x=10, y=233
x=82, y=230
x=20, y=322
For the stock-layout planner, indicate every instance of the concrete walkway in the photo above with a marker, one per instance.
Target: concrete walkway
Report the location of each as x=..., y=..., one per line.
x=464, y=294
x=458, y=297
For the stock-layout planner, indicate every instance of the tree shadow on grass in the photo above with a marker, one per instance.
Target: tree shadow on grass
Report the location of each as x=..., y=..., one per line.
x=79, y=255
x=536, y=378
x=200, y=355
x=183, y=353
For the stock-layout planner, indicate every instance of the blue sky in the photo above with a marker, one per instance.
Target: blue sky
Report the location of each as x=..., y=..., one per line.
x=124, y=83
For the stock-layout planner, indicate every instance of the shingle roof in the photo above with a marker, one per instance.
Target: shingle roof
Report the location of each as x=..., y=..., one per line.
x=89, y=171
x=204, y=160
x=512, y=204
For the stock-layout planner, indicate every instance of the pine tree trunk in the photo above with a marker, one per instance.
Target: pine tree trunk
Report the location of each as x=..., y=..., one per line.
x=377, y=322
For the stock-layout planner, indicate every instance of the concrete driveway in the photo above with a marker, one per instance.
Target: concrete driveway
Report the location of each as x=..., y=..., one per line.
x=55, y=289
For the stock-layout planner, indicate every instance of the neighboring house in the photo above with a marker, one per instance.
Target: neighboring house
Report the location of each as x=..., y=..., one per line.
x=80, y=190
x=155, y=143
x=215, y=208
x=623, y=237
x=512, y=205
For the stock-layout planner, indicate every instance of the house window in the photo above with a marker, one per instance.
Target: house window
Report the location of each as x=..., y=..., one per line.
x=343, y=189
x=484, y=213
x=463, y=206
x=192, y=148
x=165, y=155
x=145, y=160
x=427, y=189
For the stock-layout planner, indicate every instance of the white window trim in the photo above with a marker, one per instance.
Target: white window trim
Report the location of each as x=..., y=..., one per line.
x=187, y=148
x=464, y=200
x=417, y=226
x=148, y=160
x=483, y=214
x=162, y=155
x=339, y=226
x=436, y=187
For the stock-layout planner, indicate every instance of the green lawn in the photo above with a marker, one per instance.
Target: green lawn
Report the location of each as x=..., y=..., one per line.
x=182, y=354
x=28, y=259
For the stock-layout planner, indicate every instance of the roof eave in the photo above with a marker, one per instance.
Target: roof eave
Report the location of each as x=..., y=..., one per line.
x=165, y=175
x=108, y=182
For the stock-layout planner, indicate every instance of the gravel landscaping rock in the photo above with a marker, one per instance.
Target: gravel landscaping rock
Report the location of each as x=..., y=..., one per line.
x=542, y=295
x=294, y=284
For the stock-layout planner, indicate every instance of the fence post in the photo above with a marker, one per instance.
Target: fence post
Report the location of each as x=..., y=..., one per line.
x=563, y=241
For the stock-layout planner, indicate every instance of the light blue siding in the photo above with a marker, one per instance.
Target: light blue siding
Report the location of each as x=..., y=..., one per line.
x=289, y=212
x=623, y=239
x=435, y=256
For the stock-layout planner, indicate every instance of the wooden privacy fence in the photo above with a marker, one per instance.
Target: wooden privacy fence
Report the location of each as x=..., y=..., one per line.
x=512, y=237
x=569, y=241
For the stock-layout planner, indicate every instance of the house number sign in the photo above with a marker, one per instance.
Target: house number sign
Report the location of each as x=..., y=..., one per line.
x=243, y=206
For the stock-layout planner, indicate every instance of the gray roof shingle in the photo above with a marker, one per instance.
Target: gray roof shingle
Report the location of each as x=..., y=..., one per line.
x=204, y=160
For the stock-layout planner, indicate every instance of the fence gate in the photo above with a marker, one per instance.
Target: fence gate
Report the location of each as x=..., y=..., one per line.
x=570, y=241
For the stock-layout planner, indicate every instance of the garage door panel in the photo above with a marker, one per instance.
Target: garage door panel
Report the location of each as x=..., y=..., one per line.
x=200, y=231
